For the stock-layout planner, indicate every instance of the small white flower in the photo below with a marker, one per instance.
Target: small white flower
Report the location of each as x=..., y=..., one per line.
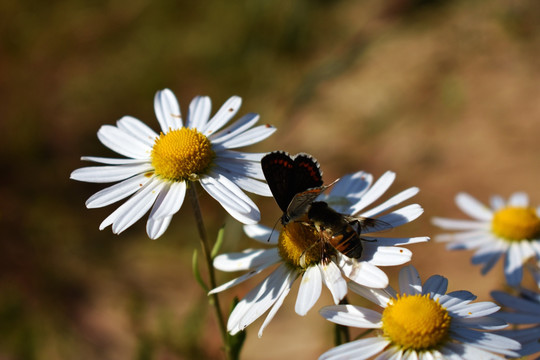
x=296, y=255
x=420, y=322
x=522, y=310
x=159, y=167
x=511, y=229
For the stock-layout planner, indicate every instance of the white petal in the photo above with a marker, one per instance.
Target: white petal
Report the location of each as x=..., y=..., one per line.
x=238, y=127
x=106, y=174
x=477, y=309
x=496, y=202
x=241, y=167
x=246, y=260
x=112, y=161
x=473, y=207
x=116, y=192
x=519, y=199
x=138, y=129
x=385, y=255
x=156, y=227
x=379, y=297
x=487, y=341
x=409, y=281
x=513, y=266
x=470, y=240
x=348, y=191
x=223, y=115
x=167, y=111
x=515, y=302
x=456, y=351
x=378, y=188
x=332, y=278
x=199, y=112
x=464, y=238
x=352, y=316
x=133, y=209
x=238, y=280
x=364, y=273
x=245, y=183
x=358, y=350
x=484, y=323
x=277, y=304
x=396, y=241
x=456, y=300
x=488, y=254
x=233, y=200
x=249, y=137
x=436, y=286
x=169, y=201
x=310, y=290
x=259, y=300
x=518, y=318
x=451, y=224
x=527, y=250
x=262, y=234
x=123, y=143
x=393, y=201
x=239, y=155
x=403, y=216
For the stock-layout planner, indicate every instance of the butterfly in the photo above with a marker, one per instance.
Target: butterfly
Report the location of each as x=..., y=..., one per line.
x=295, y=182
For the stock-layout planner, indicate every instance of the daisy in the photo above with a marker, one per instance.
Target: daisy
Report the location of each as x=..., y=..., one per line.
x=420, y=322
x=508, y=228
x=294, y=254
x=523, y=309
x=159, y=167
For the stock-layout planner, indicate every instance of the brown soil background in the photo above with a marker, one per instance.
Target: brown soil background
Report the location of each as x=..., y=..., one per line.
x=443, y=93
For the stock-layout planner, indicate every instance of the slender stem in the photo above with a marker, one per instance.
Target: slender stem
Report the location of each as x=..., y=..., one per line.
x=192, y=193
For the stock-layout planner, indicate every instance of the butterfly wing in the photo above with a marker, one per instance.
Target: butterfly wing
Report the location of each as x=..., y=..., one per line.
x=278, y=169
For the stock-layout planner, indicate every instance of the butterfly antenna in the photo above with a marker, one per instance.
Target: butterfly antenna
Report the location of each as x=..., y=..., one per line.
x=273, y=228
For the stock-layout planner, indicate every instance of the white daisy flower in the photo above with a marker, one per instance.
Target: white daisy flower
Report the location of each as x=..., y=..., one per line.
x=420, y=322
x=522, y=310
x=508, y=228
x=296, y=256
x=159, y=167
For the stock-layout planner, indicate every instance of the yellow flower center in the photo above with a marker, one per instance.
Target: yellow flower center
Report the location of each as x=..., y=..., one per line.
x=516, y=223
x=181, y=154
x=300, y=245
x=416, y=322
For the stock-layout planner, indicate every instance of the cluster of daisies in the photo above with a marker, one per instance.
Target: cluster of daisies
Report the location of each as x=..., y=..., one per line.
x=418, y=321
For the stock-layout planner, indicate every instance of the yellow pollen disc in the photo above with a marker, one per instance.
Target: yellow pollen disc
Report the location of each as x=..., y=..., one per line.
x=516, y=223
x=298, y=245
x=416, y=322
x=181, y=154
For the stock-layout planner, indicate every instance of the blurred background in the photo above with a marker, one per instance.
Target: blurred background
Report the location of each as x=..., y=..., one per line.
x=444, y=93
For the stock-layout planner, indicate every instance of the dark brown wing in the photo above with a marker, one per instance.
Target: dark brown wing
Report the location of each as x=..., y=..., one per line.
x=278, y=169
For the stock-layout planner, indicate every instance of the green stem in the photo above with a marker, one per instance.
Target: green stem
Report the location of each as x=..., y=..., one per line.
x=192, y=193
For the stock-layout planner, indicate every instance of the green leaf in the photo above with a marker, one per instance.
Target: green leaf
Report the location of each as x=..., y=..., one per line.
x=219, y=242
x=196, y=272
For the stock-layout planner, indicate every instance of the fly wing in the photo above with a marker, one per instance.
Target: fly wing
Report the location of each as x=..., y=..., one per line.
x=364, y=225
